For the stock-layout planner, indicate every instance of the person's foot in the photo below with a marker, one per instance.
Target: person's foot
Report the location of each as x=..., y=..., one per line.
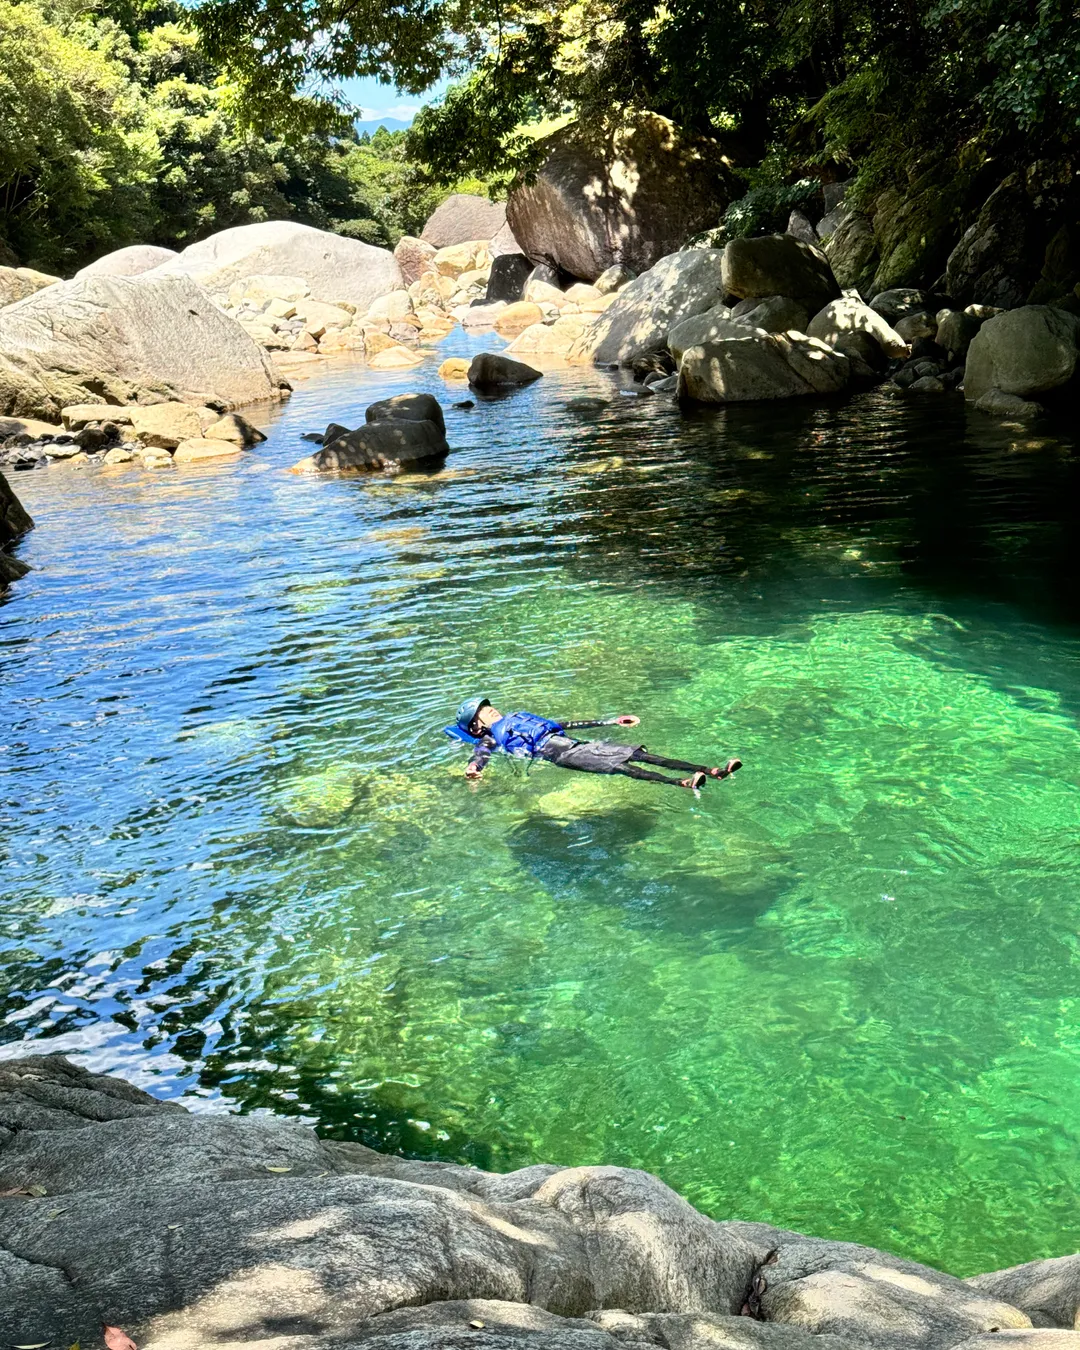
x=694, y=783
x=728, y=769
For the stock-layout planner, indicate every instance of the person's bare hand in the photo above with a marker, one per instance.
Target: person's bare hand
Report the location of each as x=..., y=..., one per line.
x=472, y=771
x=627, y=720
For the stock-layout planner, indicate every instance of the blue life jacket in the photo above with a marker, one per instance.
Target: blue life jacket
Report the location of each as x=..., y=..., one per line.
x=523, y=734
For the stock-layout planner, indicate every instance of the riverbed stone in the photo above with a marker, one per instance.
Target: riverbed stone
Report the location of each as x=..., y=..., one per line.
x=777, y=264
x=394, y=357
x=126, y=340
x=744, y=366
x=233, y=427
x=489, y=371
x=200, y=449
x=1048, y=1291
x=614, y=278
x=517, y=317
x=77, y=415
x=164, y=425
x=1024, y=351
x=646, y=309
x=455, y=368
x=897, y=303
x=413, y=257
x=955, y=331
x=14, y=522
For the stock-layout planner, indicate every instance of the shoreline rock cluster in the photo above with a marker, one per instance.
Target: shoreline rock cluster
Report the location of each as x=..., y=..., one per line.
x=195, y=1231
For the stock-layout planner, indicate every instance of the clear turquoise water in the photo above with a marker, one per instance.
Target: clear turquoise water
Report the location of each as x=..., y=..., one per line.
x=840, y=992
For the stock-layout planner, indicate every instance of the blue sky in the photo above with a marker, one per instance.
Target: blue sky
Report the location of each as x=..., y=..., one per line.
x=377, y=100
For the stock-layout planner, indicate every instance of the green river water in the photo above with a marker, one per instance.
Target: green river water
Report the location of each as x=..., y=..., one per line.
x=840, y=992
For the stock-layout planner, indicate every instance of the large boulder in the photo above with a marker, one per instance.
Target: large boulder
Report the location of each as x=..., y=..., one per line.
x=778, y=264
x=1048, y=1291
x=848, y=315
x=337, y=269
x=744, y=364
x=630, y=195
x=647, y=308
x=407, y=408
x=16, y=283
x=128, y=262
x=1023, y=351
x=463, y=217
x=126, y=340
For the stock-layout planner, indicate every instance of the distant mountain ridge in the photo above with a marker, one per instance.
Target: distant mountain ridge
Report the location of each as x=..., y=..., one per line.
x=390, y=123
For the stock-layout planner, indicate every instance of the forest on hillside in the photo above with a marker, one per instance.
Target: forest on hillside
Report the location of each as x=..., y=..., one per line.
x=124, y=121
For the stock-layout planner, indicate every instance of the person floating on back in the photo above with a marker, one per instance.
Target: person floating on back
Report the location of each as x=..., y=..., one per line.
x=527, y=736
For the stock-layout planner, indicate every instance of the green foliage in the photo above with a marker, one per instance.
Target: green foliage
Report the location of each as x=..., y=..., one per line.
x=116, y=127
x=766, y=207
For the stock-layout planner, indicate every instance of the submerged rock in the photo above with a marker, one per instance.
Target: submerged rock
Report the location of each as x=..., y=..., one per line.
x=14, y=522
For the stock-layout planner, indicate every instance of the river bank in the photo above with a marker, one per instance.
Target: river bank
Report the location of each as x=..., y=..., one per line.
x=187, y=1232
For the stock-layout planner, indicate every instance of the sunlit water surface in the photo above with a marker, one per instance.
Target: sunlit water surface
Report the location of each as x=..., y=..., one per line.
x=840, y=992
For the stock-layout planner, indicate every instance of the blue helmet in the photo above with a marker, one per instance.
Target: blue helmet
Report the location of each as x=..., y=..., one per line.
x=468, y=710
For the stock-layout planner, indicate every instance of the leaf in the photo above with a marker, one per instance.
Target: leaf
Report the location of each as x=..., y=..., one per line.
x=36, y=1190
x=38, y=1345
x=116, y=1339
x=476, y=1324
x=278, y=1169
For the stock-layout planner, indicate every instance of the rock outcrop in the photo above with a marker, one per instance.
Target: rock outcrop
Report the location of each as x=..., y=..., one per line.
x=630, y=196
x=126, y=340
x=14, y=522
x=128, y=262
x=646, y=309
x=1024, y=351
x=461, y=217
x=208, y=1231
x=847, y=315
x=335, y=269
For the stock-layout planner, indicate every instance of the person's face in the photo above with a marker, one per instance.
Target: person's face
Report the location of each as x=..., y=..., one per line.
x=485, y=719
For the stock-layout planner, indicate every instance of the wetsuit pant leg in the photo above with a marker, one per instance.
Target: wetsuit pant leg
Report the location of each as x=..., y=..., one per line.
x=632, y=771
x=643, y=757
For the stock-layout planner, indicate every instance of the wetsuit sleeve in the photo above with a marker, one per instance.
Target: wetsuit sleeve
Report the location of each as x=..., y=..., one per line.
x=482, y=754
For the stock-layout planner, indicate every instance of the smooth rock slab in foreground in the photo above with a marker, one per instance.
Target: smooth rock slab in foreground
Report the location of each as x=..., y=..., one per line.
x=195, y=1232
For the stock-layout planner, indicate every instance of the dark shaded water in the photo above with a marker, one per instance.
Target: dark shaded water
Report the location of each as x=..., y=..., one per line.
x=839, y=992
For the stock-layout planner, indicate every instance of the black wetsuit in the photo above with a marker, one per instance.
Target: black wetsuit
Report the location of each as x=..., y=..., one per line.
x=595, y=756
